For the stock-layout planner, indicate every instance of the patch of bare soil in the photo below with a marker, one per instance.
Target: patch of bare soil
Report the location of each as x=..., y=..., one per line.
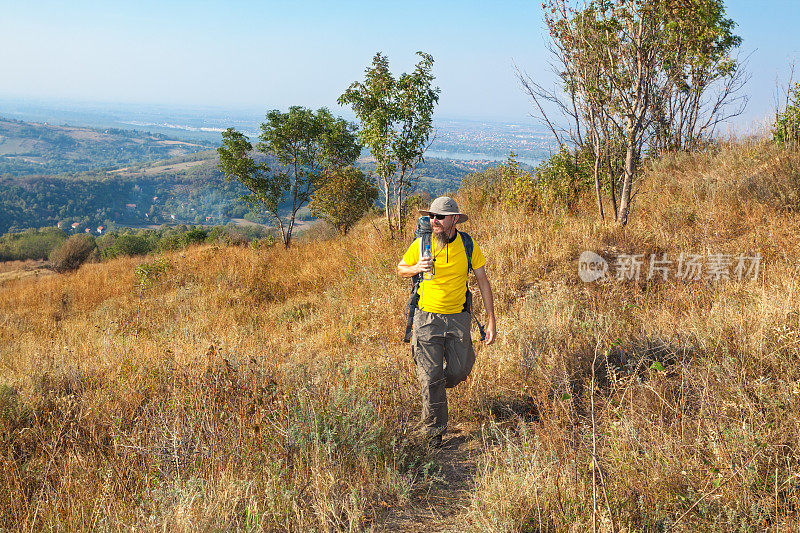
x=438, y=508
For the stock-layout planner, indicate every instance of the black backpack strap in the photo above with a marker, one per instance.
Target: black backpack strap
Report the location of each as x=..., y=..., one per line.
x=467, y=240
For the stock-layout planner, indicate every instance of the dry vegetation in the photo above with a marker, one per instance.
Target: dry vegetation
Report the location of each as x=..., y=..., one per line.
x=230, y=388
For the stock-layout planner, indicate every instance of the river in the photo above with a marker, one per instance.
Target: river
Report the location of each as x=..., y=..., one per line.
x=475, y=156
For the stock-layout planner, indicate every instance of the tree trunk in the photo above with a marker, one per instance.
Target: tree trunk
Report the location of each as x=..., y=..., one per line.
x=288, y=239
x=280, y=227
x=387, y=205
x=398, y=207
x=597, y=185
x=625, y=200
x=611, y=183
x=400, y=212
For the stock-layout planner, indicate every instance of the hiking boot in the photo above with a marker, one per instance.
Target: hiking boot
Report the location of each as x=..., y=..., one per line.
x=434, y=443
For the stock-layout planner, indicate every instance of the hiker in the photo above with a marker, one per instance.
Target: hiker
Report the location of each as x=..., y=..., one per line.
x=441, y=342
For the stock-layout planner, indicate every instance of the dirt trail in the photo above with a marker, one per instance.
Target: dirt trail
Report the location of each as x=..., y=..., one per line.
x=439, y=507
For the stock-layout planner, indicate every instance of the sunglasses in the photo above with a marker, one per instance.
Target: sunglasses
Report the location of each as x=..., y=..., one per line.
x=438, y=217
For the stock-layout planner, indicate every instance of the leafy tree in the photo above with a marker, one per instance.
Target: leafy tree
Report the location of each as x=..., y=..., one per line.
x=30, y=244
x=636, y=74
x=308, y=148
x=694, y=60
x=396, y=123
x=344, y=199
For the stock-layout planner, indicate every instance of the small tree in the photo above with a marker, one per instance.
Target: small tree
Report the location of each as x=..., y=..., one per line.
x=308, y=148
x=344, y=199
x=396, y=124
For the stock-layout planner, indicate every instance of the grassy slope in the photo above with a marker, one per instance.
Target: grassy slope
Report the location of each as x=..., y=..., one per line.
x=269, y=389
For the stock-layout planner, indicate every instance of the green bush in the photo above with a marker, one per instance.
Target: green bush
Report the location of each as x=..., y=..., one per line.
x=564, y=178
x=483, y=188
x=787, y=123
x=194, y=236
x=560, y=181
x=72, y=253
x=30, y=244
x=171, y=241
x=263, y=242
x=520, y=188
x=124, y=245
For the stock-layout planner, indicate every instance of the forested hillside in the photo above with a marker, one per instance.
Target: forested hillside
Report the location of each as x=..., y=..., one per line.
x=142, y=180
x=32, y=148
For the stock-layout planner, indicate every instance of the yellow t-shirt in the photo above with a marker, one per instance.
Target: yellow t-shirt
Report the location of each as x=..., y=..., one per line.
x=446, y=291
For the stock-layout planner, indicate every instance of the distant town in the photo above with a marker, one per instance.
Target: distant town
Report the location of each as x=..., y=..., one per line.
x=469, y=142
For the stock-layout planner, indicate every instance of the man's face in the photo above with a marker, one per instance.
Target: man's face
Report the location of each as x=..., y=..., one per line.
x=439, y=225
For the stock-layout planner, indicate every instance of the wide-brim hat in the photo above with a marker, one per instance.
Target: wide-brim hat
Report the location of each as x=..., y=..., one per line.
x=444, y=205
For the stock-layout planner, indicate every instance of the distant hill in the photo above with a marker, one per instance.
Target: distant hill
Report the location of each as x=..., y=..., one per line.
x=28, y=148
x=91, y=177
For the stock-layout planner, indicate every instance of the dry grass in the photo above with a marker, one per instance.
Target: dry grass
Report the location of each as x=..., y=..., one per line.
x=660, y=405
x=269, y=390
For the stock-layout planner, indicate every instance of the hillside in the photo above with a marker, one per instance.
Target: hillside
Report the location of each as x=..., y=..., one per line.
x=39, y=148
x=229, y=388
x=147, y=180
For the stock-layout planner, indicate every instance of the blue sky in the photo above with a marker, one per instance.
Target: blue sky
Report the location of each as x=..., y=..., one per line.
x=263, y=55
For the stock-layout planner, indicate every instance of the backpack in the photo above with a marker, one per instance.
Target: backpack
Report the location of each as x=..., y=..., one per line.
x=423, y=233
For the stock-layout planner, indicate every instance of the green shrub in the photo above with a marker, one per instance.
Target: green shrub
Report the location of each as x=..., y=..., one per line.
x=125, y=245
x=72, y=253
x=787, y=123
x=194, y=236
x=564, y=178
x=171, y=241
x=264, y=242
x=30, y=244
x=483, y=188
x=519, y=186
x=347, y=195
x=560, y=181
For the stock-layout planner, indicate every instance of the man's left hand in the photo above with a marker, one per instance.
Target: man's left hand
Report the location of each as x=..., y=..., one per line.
x=491, y=332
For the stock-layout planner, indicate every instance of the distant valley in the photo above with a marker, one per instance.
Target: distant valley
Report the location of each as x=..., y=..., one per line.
x=87, y=178
x=41, y=148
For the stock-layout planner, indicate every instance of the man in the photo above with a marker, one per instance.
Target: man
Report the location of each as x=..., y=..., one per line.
x=441, y=341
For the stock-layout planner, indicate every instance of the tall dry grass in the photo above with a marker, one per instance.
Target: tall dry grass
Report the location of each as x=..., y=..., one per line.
x=269, y=389
x=659, y=405
x=231, y=388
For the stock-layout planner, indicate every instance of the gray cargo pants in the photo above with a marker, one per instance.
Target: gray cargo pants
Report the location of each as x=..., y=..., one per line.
x=442, y=349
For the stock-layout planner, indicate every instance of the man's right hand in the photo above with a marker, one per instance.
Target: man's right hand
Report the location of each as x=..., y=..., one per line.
x=425, y=264
x=406, y=271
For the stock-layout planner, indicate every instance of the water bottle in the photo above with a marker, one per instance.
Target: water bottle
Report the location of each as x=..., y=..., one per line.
x=426, y=254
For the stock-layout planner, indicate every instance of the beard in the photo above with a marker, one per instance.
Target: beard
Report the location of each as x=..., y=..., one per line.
x=441, y=239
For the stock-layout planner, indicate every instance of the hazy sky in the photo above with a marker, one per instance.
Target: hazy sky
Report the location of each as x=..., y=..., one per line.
x=268, y=54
